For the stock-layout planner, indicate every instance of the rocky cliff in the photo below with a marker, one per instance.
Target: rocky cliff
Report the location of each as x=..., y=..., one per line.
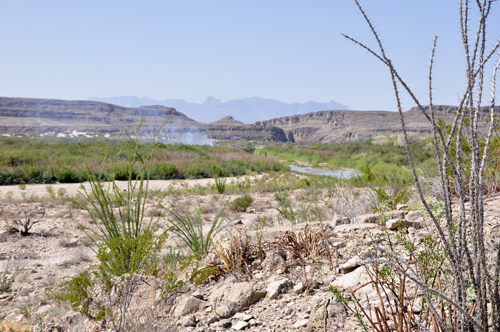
x=343, y=126
x=49, y=117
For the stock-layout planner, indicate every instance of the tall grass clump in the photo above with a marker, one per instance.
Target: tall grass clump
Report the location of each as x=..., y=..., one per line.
x=470, y=299
x=188, y=225
x=220, y=185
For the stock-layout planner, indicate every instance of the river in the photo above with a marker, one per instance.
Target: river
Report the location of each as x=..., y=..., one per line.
x=344, y=173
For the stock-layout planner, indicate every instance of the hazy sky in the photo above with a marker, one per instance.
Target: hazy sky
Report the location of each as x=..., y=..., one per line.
x=288, y=50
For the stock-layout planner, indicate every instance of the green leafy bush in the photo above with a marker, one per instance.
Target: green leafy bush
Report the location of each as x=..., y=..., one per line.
x=241, y=204
x=164, y=171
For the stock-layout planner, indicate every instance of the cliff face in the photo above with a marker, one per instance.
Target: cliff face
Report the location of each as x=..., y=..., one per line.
x=343, y=126
x=22, y=116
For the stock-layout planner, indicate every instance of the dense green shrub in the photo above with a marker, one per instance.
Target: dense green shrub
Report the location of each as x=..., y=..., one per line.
x=24, y=160
x=164, y=171
x=67, y=174
x=241, y=204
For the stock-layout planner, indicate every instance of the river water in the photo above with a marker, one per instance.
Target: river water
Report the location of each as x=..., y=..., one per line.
x=344, y=173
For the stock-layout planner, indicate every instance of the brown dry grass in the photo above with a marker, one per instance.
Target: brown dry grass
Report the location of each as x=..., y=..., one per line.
x=14, y=327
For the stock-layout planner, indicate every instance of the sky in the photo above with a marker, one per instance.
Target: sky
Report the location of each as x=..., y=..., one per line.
x=289, y=50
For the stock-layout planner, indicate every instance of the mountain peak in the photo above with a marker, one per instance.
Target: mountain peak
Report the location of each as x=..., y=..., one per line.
x=228, y=120
x=248, y=110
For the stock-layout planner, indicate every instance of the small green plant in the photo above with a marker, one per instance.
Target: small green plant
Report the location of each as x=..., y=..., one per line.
x=6, y=279
x=22, y=186
x=200, y=276
x=172, y=258
x=51, y=195
x=61, y=192
x=9, y=195
x=172, y=283
x=78, y=291
x=387, y=201
x=241, y=204
x=126, y=254
x=262, y=221
x=351, y=305
x=220, y=185
x=189, y=227
x=27, y=310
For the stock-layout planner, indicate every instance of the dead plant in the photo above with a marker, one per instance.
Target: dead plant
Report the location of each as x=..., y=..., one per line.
x=31, y=218
x=307, y=247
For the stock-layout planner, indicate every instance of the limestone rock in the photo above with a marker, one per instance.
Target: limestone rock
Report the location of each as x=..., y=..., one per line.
x=413, y=216
x=242, y=316
x=371, y=218
x=230, y=299
x=189, y=320
x=355, y=262
x=356, y=228
x=273, y=261
x=277, y=287
x=189, y=305
x=300, y=323
x=239, y=325
x=350, y=281
x=299, y=288
x=326, y=306
x=393, y=223
x=351, y=264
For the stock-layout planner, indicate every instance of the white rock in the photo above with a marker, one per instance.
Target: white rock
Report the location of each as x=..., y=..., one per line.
x=355, y=227
x=393, y=223
x=240, y=325
x=351, y=264
x=300, y=323
x=350, y=281
x=242, y=316
x=413, y=216
x=371, y=218
x=189, y=321
x=297, y=289
x=276, y=288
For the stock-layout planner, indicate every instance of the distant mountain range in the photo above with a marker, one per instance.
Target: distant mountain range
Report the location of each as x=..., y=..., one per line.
x=247, y=110
x=75, y=118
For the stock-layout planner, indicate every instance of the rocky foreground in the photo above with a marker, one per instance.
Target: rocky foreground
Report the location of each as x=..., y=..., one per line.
x=284, y=288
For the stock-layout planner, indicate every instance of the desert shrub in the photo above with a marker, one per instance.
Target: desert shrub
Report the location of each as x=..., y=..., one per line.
x=188, y=225
x=67, y=174
x=37, y=175
x=198, y=170
x=164, y=171
x=389, y=199
x=126, y=254
x=122, y=229
x=241, y=204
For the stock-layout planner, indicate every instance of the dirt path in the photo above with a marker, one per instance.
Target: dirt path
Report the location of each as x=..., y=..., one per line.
x=72, y=189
